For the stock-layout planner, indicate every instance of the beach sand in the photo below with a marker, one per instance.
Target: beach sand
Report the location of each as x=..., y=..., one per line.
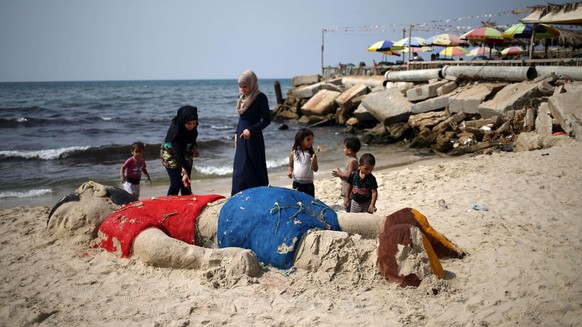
x=521, y=268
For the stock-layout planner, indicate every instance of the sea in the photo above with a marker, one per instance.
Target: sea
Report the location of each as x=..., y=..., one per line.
x=57, y=135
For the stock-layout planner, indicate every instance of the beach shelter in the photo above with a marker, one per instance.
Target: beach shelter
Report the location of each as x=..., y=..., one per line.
x=565, y=14
x=555, y=14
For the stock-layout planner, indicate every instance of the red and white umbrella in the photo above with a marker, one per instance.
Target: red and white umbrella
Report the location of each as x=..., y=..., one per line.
x=512, y=51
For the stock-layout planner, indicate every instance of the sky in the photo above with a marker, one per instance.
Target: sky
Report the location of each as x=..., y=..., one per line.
x=82, y=40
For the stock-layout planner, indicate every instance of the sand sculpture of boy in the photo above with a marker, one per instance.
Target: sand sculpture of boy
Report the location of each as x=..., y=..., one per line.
x=275, y=226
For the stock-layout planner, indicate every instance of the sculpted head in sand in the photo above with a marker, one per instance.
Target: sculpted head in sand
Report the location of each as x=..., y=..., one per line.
x=272, y=226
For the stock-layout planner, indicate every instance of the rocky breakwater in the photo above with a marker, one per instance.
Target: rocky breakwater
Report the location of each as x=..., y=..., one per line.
x=453, y=110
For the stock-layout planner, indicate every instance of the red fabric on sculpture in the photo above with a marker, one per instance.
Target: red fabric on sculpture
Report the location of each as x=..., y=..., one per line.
x=174, y=215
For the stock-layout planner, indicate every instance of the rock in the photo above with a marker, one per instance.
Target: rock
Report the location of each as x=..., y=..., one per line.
x=345, y=100
x=544, y=121
x=437, y=103
x=388, y=106
x=470, y=98
x=566, y=109
x=511, y=97
x=321, y=104
x=364, y=116
x=424, y=92
x=528, y=141
x=305, y=80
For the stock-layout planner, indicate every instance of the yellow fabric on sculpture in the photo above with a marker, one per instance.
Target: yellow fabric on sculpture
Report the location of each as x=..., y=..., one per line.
x=435, y=264
x=436, y=239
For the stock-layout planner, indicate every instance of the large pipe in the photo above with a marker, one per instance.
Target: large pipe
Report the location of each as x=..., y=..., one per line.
x=499, y=73
x=567, y=72
x=420, y=75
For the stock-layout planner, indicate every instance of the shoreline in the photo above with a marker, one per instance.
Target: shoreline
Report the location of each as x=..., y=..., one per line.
x=385, y=160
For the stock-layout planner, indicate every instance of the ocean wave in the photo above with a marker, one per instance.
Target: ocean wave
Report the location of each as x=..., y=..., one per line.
x=277, y=163
x=47, y=154
x=215, y=171
x=221, y=127
x=25, y=194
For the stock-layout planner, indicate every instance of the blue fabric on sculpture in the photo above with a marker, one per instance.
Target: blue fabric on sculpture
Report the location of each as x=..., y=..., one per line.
x=271, y=221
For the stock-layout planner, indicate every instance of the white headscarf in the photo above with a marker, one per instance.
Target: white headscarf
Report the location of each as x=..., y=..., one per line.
x=249, y=79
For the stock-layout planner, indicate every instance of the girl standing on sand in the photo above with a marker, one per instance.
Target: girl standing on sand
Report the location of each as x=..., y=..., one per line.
x=303, y=162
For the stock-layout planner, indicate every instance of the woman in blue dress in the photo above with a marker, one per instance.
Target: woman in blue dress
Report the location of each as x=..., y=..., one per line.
x=250, y=165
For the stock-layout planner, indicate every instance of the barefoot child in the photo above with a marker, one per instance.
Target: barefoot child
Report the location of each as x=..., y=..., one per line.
x=303, y=162
x=130, y=172
x=362, y=189
x=351, y=147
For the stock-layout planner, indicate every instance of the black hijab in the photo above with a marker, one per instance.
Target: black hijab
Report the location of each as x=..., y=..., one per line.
x=177, y=131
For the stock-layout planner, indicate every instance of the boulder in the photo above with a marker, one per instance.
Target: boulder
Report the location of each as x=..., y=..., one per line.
x=544, y=121
x=389, y=106
x=305, y=80
x=424, y=92
x=364, y=116
x=469, y=99
x=437, y=103
x=528, y=141
x=566, y=109
x=511, y=97
x=321, y=104
x=447, y=88
x=345, y=100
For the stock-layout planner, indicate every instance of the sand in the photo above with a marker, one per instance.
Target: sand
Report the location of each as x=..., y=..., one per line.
x=516, y=215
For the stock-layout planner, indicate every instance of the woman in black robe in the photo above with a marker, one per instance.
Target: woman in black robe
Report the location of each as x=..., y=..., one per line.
x=179, y=149
x=250, y=165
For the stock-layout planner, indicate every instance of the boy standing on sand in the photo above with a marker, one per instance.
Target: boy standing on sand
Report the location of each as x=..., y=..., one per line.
x=362, y=186
x=351, y=147
x=133, y=167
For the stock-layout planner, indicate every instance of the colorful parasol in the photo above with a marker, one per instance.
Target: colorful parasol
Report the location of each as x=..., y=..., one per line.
x=455, y=51
x=483, y=34
x=482, y=51
x=512, y=51
x=412, y=42
x=417, y=49
x=384, y=46
x=444, y=40
x=524, y=31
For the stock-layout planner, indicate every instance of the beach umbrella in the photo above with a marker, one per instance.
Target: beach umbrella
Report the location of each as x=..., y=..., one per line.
x=455, y=51
x=483, y=34
x=418, y=49
x=512, y=51
x=524, y=31
x=412, y=42
x=383, y=46
x=482, y=51
x=444, y=40
x=392, y=53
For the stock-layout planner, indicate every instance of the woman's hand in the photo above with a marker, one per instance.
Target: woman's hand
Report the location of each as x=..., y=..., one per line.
x=246, y=134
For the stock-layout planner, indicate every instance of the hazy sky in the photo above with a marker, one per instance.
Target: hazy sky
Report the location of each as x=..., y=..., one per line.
x=70, y=40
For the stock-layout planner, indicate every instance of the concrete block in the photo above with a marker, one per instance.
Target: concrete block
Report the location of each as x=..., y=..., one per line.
x=437, y=103
x=321, y=104
x=305, y=80
x=389, y=106
x=512, y=97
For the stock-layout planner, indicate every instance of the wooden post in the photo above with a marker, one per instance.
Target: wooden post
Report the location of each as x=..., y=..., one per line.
x=322, y=47
x=409, y=47
x=531, y=41
x=278, y=92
